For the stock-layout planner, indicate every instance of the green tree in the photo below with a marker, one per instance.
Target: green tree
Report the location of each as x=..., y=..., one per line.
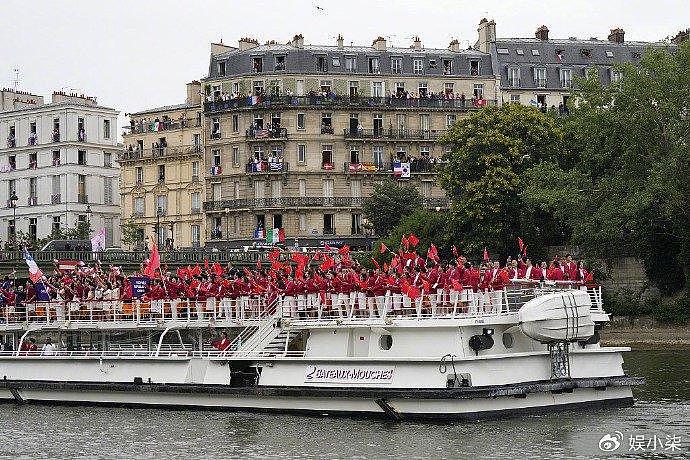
x=485, y=175
x=623, y=187
x=132, y=234
x=390, y=202
x=428, y=226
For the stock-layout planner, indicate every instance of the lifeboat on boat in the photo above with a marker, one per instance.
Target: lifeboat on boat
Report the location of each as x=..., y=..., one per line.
x=558, y=317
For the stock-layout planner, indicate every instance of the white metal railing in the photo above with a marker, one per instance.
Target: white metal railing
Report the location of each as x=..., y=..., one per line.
x=170, y=352
x=254, y=313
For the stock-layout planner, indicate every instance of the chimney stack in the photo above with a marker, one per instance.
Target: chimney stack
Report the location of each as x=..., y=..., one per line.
x=617, y=35
x=542, y=33
x=194, y=92
x=246, y=43
x=219, y=48
x=298, y=41
x=486, y=35
x=454, y=46
x=379, y=44
x=340, y=41
x=681, y=36
x=417, y=43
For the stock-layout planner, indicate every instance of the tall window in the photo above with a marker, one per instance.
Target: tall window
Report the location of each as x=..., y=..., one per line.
x=302, y=188
x=108, y=190
x=81, y=157
x=140, y=175
x=450, y=120
x=235, y=156
x=195, y=169
x=235, y=122
x=195, y=202
x=161, y=204
x=161, y=173
x=301, y=121
x=474, y=67
x=33, y=227
x=81, y=188
x=374, y=65
x=107, y=159
x=356, y=224
x=55, y=229
x=479, y=91
x=514, y=76
x=301, y=153
x=196, y=236
x=215, y=128
x=55, y=190
x=540, y=77
x=418, y=66
x=423, y=88
x=566, y=78
x=139, y=206
x=351, y=63
x=302, y=222
x=327, y=155
x=216, y=157
x=377, y=89
x=377, y=151
x=106, y=129
x=396, y=65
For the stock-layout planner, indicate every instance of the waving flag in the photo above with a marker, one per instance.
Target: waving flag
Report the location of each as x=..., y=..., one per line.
x=98, y=241
x=521, y=244
x=154, y=262
x=35, y=273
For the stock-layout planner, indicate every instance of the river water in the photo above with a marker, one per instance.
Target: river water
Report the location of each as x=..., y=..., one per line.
x=662, y=409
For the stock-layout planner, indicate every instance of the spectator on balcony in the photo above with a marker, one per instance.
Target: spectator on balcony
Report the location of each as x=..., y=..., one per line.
x=81, y=135
x=33, y=164
x=33, y=139
x=11, y=141
x=56, y=134
x=360, y=130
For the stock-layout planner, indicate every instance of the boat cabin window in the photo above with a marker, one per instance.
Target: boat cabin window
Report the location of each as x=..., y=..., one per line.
x=385, y=342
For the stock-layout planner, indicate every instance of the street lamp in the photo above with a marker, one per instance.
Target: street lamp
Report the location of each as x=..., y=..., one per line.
x=227, y=223
x=13, y=204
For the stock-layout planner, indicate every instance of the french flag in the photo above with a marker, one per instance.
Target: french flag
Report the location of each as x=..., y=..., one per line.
x=35, y=273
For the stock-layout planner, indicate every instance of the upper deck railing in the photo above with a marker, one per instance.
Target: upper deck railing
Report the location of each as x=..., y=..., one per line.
x=304, y=309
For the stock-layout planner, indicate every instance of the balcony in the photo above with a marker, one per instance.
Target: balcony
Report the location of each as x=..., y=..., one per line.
x=394, y=134
x=55, y=198
x=11, y=142
x=157, y=126
x=215, y=135
x=81, y=135
x=159, y=152
x=335, y=101
x=266, y=134
x=417, y=165
x=33, y=140
x=32, y=201
x=56, y=137
x=82, y=199
x=267, y=166
x=284, y=202
x=329, y=231
x=326, y=129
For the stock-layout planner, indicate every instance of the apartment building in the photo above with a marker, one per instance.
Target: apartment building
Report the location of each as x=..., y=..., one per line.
x=162, y=171
x=57, y=165
x=297, y=135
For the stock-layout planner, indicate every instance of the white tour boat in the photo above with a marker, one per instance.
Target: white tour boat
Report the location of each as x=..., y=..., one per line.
x=526, y=348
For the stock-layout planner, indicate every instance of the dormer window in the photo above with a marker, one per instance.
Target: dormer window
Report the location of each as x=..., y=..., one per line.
x=609, y=54
x=221, y=69
x=502, y=51
x=335, y=61
x=351, y=63
x=447, y=66
x=280, y=63
x=432, y=63
x=519, y=52
x=474, y=67
x=535, y=52
x=540, y=77
x=374, y=65
x=321, y=64
x=258, y=64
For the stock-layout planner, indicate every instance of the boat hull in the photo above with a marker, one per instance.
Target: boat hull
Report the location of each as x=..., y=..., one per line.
x=398, y=404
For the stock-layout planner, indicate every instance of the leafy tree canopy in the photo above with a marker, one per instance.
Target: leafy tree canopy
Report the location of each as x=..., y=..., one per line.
x=390, y=202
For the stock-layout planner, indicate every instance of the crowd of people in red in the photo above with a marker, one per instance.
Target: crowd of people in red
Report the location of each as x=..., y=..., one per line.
x=328, y=279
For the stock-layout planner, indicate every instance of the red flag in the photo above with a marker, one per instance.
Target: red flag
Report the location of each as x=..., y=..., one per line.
x=196, y=271
x=316, y=256
x=206, y=264
x=385, y=267
x=154, y=262
x=345, y=250
x=414, y=241
x=456, y=285
x=383, y=248
x=327, y=263
x=524, y=251
x=217, y=269
x=274, y=255
x=376, y=264
x=486, y=255
x=413, y=292
x=426, y=286
x=521, y=245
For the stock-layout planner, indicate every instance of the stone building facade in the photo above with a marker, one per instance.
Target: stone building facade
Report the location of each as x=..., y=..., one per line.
x=296, y=135
x=57, y=165
x=162, y=172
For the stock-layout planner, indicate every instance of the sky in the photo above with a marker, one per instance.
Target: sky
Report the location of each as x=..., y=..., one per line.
x=134, y=55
